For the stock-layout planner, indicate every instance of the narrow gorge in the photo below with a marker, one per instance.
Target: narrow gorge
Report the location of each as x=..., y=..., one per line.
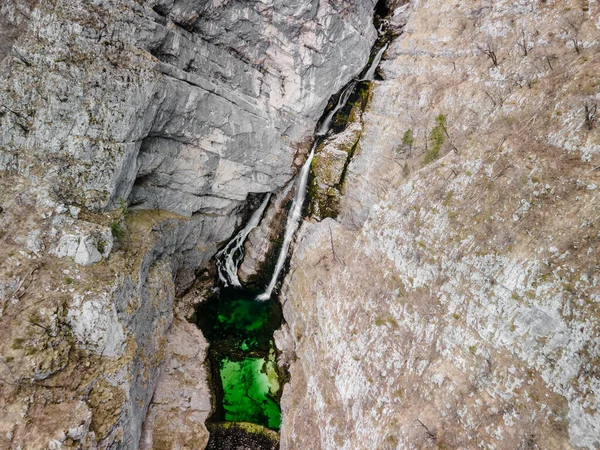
x=317, y=224
x=246, y=379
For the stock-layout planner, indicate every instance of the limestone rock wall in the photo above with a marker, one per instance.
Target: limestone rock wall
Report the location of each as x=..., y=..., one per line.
x=453, y=303
x=107, y=99
x=134, y=137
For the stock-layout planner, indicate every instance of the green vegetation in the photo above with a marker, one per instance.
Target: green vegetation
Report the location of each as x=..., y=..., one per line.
x=117, y=230
x=123, y=208
x=68, y=280
x=117, y=227
x=17, y=343
x=408, y=139
x=406, y=146
x=436, y=139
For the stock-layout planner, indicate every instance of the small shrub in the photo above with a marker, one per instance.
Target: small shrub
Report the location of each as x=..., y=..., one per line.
x=68, y=280
x=116, y=230
x=407, y=143
x=436, y=139
x=408, y=139
x=123, y=208
x=118, y=227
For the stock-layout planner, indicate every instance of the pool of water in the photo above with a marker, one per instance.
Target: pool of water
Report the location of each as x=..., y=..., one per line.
x=242, y=356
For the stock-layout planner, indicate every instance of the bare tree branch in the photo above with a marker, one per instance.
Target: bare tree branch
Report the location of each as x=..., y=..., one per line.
x=591, y=112
x=490, y=51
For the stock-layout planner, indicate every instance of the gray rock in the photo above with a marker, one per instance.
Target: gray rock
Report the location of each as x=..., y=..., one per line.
x=95, y=325
x=85, y=242
x=182, y=106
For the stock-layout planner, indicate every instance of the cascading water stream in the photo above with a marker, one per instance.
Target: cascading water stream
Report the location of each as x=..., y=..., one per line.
x=229, y=258
x=345, y=95
x=326, y=125
x=370, y=75
x=296, y=211
x=246, y=379
x=292, y=223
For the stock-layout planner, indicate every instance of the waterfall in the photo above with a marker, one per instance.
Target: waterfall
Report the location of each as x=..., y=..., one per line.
x=229, y=258
x=345, y=95
x=371, y=72
x=292, y=222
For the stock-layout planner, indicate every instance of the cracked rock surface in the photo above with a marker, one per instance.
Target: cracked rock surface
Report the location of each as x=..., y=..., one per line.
x=135, y=138
x=453, y=301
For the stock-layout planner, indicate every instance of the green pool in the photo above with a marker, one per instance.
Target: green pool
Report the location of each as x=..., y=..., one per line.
x=242, y=356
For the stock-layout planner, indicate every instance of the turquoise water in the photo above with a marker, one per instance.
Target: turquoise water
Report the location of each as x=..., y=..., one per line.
x=242, y=355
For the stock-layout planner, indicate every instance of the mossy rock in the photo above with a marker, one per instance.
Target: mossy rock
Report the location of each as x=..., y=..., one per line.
x=241, y=435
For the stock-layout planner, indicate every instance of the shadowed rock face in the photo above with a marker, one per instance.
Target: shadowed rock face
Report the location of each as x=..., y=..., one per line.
x=183, y=107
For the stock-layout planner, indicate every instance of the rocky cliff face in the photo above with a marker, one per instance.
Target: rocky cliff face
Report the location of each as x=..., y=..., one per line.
x=134, y=137
x=449, y=299
x=454, y=300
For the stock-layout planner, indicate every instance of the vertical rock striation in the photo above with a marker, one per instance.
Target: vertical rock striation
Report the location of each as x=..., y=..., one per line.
x=453, y=303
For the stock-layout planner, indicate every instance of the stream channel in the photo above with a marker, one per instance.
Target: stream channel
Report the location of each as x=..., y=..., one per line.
x=239, y=322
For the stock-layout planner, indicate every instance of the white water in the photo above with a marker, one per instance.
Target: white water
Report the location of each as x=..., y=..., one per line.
x=229, y=258
x=345, y=95
x=370, y=75
x=292, y=223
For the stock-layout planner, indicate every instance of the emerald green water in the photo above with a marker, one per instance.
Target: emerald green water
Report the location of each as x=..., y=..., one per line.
x=242, y=355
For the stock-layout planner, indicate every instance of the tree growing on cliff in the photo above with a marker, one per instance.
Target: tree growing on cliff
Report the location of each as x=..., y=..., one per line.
x=489, y=50
x=408, y=139
x=118, y=226
x=523, y=44
x=571, y=30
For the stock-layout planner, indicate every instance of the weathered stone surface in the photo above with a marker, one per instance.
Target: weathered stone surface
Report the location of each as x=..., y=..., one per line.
x=196, y=117
x=261, y=241
x=86, y=243
x=330, y=165
x=95, y=325
x=181, y=108
x=454, y=304
x=182, y=399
